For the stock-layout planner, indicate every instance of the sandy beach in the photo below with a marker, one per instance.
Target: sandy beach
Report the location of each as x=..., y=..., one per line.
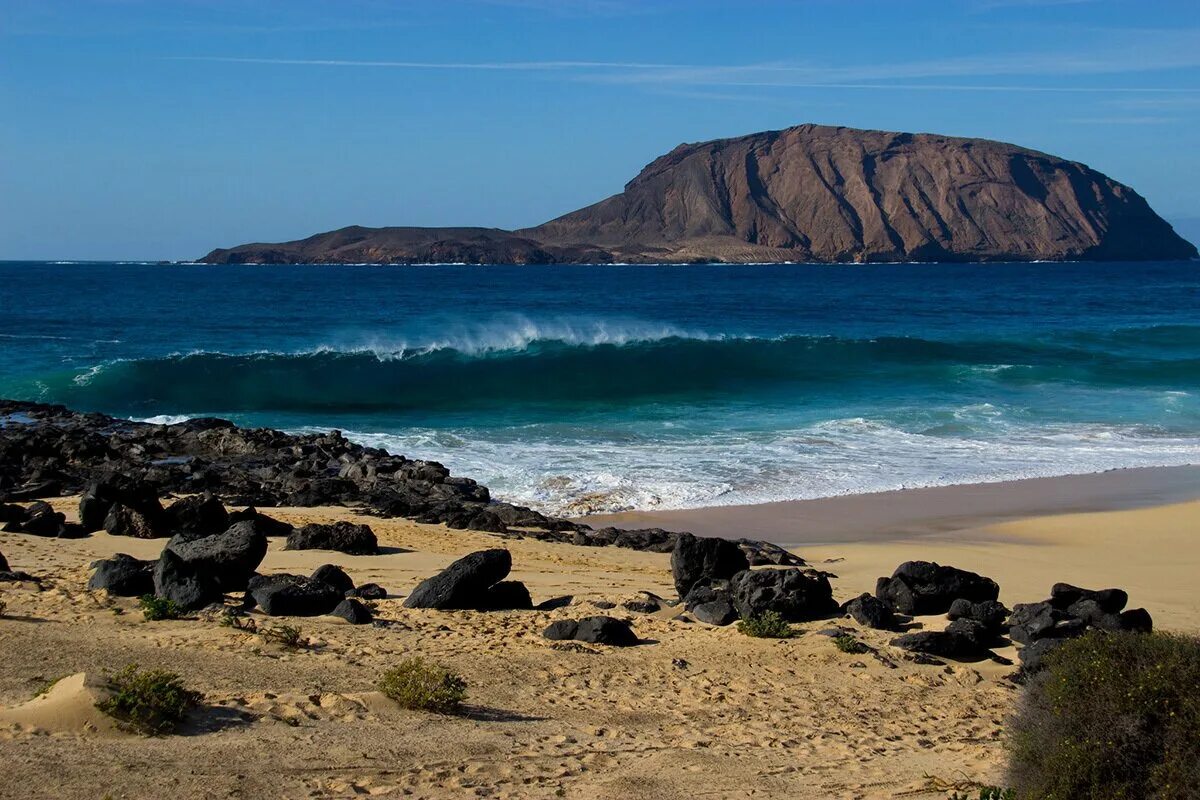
x=694, y=711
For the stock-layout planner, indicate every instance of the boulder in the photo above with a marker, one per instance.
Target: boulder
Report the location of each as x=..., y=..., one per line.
x=42, y=520
x=3, y=563
x=197, y=516
x=1064, y=595
x=268, y=526
x=463, y=584
x=368, y=591
x=1032, y=621
x=1136, y=620
x=795, y=594
x=229, y=558
x=125, y=521
x=12, y=513
x=100, y=496
x=284, y=595
x=962, y=639
x=353, y=612
x=506, y=596
x=991, y=614
x=182, y=582
x=123, y=575
x=697, y=560
x=345, y=537
x=711, y=604
x=923, y=587
x=1033, y=656
x=593, y=630
x=871, y=612
x=335, y=576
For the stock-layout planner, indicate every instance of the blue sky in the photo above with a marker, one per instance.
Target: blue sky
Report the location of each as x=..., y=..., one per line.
x=161, y=129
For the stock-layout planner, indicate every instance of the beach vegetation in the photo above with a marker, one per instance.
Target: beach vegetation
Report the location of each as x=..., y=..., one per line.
x=986, y=793
x=1112, y=715
x=283, y=635
x=148, y=701
x=417, y=685
x=848, y=644
x=159, y=608
x=767, y=625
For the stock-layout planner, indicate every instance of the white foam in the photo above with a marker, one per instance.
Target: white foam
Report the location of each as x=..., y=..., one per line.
x=586, y=474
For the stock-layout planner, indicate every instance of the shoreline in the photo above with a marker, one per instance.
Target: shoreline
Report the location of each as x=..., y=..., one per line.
x=963, y=509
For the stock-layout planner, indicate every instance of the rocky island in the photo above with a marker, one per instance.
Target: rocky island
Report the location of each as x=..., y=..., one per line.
x=810, y=193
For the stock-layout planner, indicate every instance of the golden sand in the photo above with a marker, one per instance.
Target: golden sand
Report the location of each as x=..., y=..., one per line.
x=695, y=712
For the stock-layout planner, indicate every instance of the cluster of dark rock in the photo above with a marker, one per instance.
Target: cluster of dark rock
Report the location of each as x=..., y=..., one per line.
x=716, y=584
x=1070, y=612
x=979, y=621
x=212, y=553
x=49, y=451
x=38, y=519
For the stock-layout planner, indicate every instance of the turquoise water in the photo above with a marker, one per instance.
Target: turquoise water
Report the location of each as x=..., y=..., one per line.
x=600, y=388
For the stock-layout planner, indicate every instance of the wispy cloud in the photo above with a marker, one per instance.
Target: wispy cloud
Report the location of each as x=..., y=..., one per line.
x=515, y=66
x=1129, y=53
x=1146, y=120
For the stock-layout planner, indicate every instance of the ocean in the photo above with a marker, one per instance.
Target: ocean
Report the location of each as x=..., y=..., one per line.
x=579, y=389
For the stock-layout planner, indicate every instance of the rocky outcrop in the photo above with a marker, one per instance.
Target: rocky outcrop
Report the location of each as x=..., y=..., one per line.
x=810, y=193
x=923, y=587
x=122, y=468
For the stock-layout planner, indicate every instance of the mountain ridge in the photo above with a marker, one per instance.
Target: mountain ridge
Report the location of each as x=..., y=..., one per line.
x=808, y=193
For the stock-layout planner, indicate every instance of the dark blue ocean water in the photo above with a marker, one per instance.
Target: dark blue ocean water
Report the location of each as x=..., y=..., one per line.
x=588, y=388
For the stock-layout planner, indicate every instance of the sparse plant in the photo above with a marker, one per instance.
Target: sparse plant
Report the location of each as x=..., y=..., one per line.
x=767, y=625
x=228, y=619
x=419, y=686
x=47, y=686
x=148, y=701
x=158, y=608
x=848, y=644
x=283, y=635
x=987, y=793
x=1112, y=715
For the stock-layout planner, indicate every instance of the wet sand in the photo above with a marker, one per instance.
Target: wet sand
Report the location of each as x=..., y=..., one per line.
x=966, y=509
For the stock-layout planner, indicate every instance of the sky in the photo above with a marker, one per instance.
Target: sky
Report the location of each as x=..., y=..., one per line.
x=160, y=129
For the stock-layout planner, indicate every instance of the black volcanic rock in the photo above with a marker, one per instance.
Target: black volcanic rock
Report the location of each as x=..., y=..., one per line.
x=809, y=193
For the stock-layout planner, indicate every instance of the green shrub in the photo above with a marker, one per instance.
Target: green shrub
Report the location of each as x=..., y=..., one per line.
x=1112, y=717
x=148, y=701
x=424, y=687
x=156, y=608
x=767, y=625
x=848, y=644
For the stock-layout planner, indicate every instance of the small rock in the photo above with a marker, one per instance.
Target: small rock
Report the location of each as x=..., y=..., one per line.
x=368, y=591
x=594, y=630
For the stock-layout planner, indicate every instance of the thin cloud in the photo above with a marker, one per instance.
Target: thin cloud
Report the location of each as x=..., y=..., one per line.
x=1135, y=52
x=1120, y=120
x=515, y=66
